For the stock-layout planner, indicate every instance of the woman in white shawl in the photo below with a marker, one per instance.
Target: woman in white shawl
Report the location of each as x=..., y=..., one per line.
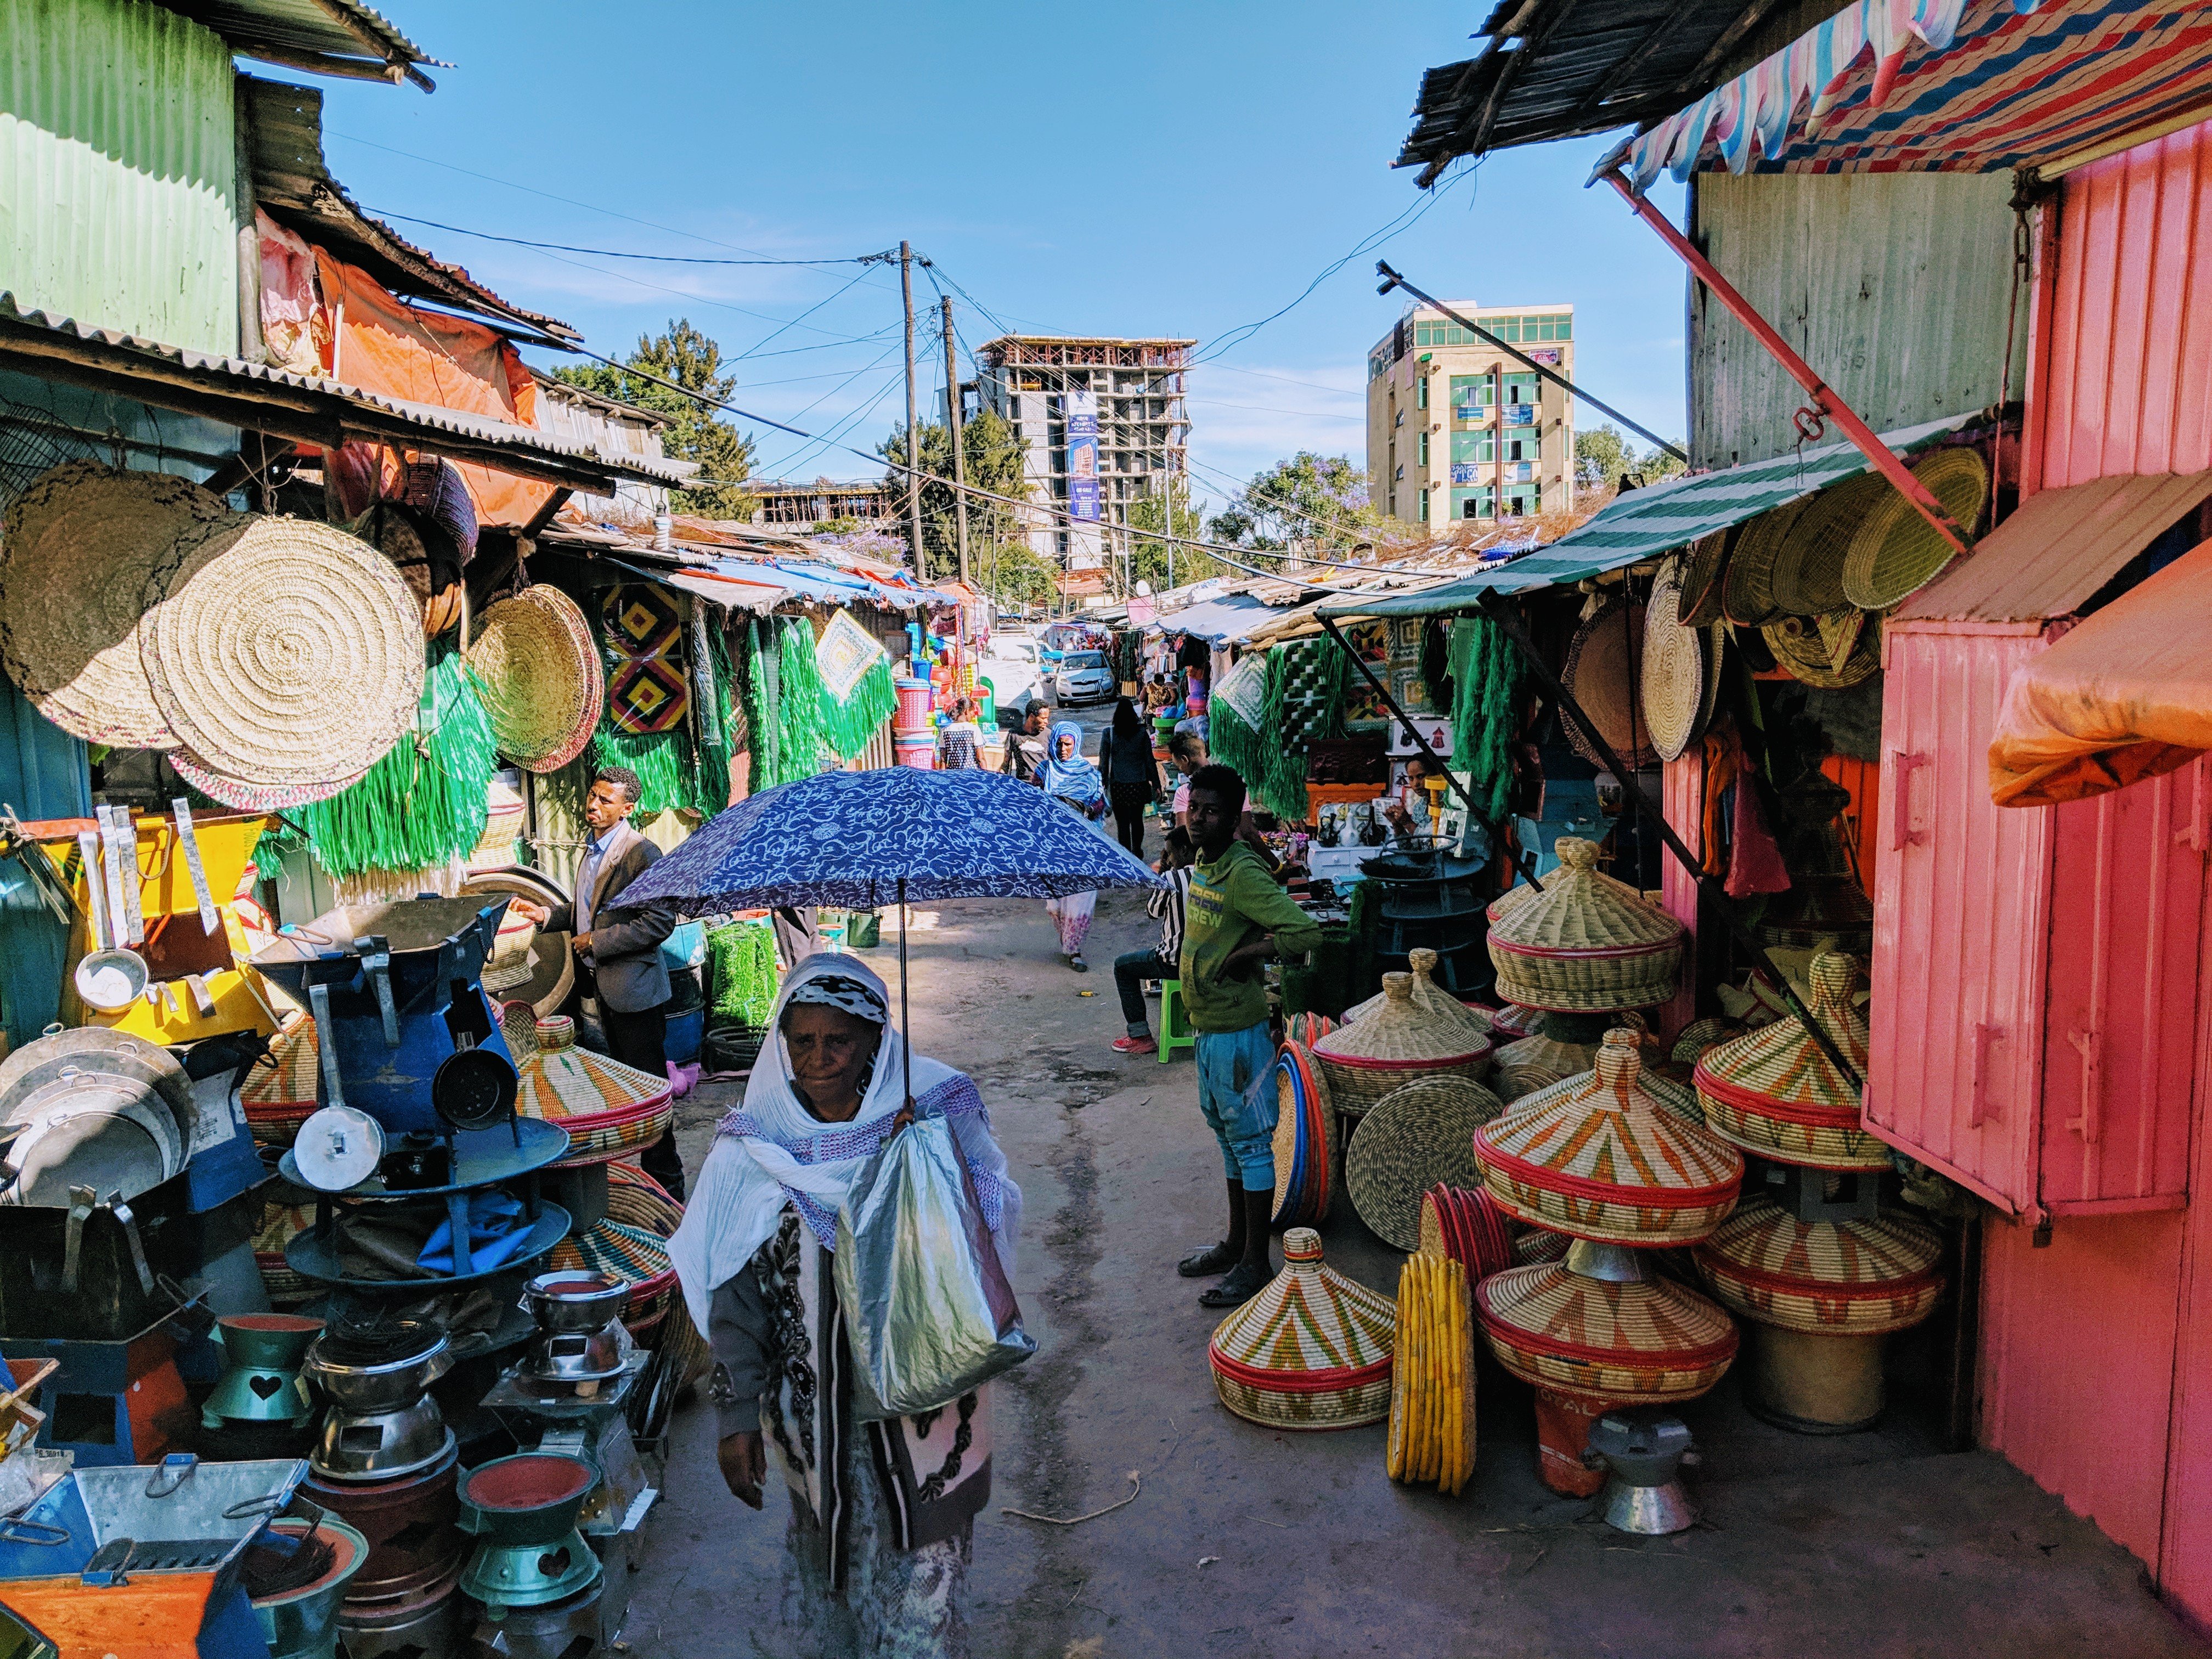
x=882, y=1513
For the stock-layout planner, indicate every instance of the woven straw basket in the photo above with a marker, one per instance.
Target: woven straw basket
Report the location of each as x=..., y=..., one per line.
x=607, y=1108
x=542, y=682
x=1465, y=1225
x=1807, y=574
x=1414, y=1138
x=1311, y=1350
x=1826, y=1277
x=642, y=1205
x=1307, y=1164
x=1538, y=1062
x=1429, y=996
x=1773, y=1093
x=1599, y=1157
x=1600, y=673
x=1672, y=677
x=1652, y=1341
x=1586, y=944
x=1704, y=566
x=1400, y=1042
x=1893, y=551
x=1748, y=590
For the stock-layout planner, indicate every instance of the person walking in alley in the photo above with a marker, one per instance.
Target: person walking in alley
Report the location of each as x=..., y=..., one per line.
x=1236, y=918
x=617, y=946
x=1074, y=782
x=882, y=1514
x=1132, y=968
x=1132, y=777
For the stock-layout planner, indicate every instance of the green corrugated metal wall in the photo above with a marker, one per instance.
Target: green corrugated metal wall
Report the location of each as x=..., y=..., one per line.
x=1894, y=286
x=117, y=140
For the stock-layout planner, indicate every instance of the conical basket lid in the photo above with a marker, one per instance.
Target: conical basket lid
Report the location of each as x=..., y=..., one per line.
x=1400, y=1032
x=1773, y=1091
x=1840, y=1278
x=564, y=1082
x=1649, y=1340
x=1312, y=1350
x=1601, y=1156
x=1580, y=909
x=1427, y=995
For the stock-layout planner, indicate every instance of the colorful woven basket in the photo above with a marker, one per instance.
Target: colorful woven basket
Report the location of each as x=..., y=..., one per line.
x=1827, y=1277
x=607, y=1108
x=1307, y=1161
x=1773, y=1093
x=1650, y=1340
x=1586, y=944
x=1513, y=1022
x=1599, y=1157
x=1537, y=1062
x=1311, y=1350
x=1431, y=1432
x=279, y=1092
x=635, y=1255
x=1430, y=996
x=1416, y=1138
x=1400, y=1042
x=280, y=1223
x=642, y=1203
x=1306, y=1030
x=1465, y=1225
x=1537, y=1244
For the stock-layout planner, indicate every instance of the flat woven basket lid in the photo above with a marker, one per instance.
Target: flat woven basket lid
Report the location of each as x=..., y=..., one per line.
x=1551, y=1308
x=615, y=1249
x=1600, y=673
x=249, y=797
x=1402, y=1032
x=1606, y=1135
x=1580, y=909
x=1748, y=590
x=1893, y=551
x=1427, y=995
x=1538, y=1062
x=1705, y=571
x=1807, y=576
x=1836, y=649
x=1410, y=1141
x=1305, y=1139
x=1309, y=1328
x=1780, y=1067
x=540, y=677
x=1764, y=1244
x=77, y=548
x=281, y=651
x=1466, y=1224
x=1674, y=668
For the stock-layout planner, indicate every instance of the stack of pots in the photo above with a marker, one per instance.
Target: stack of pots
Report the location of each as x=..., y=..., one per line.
x=1603, y=1160
x=1821, y=1294
x=913, y=739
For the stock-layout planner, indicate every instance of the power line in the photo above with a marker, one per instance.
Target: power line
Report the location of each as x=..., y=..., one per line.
x=614, y=252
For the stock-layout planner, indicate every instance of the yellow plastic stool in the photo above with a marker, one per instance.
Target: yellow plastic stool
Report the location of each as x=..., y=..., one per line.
x=1175, y=1031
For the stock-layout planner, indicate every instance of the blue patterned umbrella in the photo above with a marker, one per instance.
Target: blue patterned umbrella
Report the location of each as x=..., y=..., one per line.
x=865, y=840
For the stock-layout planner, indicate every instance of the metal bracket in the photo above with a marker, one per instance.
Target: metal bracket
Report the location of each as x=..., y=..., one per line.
x=82, y=1201
x=171, y=1474
x=2090, y=1045
x=326, y=1048
x=121, y=1210
x=376, y=962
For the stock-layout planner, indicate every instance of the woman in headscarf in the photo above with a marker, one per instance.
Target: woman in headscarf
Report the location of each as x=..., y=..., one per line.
x=882, y=1513
x=1074, y=782
x=1132, y=777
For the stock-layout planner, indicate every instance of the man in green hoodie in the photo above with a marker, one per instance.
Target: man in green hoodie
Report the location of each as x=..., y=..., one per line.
x=1235, y=919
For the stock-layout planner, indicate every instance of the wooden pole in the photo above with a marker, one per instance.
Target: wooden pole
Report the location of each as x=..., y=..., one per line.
x=953, y=423
x=913, y=426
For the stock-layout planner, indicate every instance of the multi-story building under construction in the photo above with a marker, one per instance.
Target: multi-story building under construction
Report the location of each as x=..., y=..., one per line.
x=1457, y=428
x=1102, y=422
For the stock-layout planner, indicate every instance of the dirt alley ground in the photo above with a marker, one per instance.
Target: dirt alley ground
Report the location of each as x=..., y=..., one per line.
x=1245, y=1542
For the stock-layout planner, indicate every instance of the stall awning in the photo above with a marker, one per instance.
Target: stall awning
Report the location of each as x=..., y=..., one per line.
x=1645, y=523
x=2124, y=696
x=1220, y=621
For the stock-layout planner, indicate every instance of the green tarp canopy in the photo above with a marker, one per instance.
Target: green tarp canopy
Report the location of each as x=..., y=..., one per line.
x=1644, y=523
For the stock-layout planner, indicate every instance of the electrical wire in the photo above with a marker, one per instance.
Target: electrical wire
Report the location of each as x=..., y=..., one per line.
x=615, y=252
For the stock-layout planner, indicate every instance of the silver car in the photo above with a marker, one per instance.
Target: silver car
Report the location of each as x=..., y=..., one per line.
x=1083, y=677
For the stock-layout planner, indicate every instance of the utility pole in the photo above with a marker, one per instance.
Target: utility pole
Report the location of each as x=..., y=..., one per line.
x=913, y=428
x=952, y=423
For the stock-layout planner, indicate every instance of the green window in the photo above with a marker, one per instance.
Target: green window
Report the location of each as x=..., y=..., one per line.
x=1424, y=506
x=1421, y=392
x=1425, y=449
x=1472, y=503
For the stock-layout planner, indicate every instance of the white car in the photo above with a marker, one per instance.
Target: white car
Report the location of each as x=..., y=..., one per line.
x=1083, y=677
x=1012, y=664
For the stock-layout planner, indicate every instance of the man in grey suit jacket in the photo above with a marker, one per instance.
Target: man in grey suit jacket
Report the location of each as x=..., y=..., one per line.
x=618, y=946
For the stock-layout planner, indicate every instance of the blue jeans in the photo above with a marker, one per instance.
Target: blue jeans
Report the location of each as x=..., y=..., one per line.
x=1233, y=1071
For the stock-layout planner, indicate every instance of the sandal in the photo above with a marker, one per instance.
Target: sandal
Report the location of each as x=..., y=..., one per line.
x=1213, y=1259
x=1075, y=961
x=1244, y=1282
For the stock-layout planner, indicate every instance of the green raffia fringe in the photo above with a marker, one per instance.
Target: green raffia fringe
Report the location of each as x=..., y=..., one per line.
x=1232, y=742
x=667, y=775
x=1486, y=675
x=420, y=805
x=784, y=709
x=742, y=967
x=847, y=726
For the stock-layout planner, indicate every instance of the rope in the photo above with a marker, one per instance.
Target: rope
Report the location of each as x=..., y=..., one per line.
x=1136, y=1485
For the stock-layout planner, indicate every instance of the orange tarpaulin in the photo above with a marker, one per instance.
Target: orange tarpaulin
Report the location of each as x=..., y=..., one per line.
x=2124, y=696
x=382, y=345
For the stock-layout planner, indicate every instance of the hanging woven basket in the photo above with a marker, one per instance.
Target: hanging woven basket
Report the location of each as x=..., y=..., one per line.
x=1651, y=1340
x=1399, y=1042
x=1825, y=1278
x=1601, y=1158
x=1774, y=1093
x=1311, y=1350
x=1586, y=944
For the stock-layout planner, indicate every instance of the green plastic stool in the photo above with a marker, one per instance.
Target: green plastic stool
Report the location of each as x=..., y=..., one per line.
x=1175, y=1031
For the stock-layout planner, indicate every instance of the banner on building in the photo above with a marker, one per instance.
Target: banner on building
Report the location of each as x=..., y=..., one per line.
x=1083, y=456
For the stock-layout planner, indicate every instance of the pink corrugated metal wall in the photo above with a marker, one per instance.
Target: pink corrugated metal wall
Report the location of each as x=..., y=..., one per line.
x=1682, y=798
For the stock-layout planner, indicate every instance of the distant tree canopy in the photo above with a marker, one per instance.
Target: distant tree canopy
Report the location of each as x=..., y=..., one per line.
x=695, y=432
x=1604, y=456
x=1165, y=564
x=1308, y=497
x=995, y=465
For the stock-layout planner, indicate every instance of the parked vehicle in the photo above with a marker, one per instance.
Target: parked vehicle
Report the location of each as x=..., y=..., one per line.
x=1083, y=677
x=1014, y=665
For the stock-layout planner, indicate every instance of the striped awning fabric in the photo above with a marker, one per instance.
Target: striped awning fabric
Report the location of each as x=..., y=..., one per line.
x=1643, y=523
x=1954, y=86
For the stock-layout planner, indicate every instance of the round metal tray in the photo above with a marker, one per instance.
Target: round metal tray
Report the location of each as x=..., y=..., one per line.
x=481, y=1157
x=307, y=1256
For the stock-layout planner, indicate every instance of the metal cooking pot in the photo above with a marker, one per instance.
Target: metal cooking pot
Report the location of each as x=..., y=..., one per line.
x=113, y=1134
x=93, y=1049
x=574, y=1301
x=379, y=1387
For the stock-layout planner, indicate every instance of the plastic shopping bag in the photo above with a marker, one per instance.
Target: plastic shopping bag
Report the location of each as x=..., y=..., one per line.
x=927, y=1307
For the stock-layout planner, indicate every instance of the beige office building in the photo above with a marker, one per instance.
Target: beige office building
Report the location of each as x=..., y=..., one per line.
x=1458, y=429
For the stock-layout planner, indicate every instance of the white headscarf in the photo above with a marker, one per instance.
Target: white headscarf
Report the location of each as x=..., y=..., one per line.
x=741, y=1192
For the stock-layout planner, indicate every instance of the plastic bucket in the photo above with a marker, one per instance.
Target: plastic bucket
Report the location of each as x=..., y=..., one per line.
x=917, y=749
x=914, y=705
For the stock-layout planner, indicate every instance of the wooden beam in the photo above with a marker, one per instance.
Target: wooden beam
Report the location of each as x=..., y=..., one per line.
x=1634, y=59
x=1486, y=118
x=1693, y=85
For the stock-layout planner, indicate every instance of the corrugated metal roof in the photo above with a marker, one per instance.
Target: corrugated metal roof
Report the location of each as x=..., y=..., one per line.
x=307, y=410
x=292, y=182
x=2058, y=549
x=326, y=37
x=1222, y=620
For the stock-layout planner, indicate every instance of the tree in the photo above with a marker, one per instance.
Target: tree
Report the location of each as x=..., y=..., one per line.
x=1162, y=563
x=1601, y=456
x=995, y=465
x=1657, y=464
x=694, y=431
x=1320, y=499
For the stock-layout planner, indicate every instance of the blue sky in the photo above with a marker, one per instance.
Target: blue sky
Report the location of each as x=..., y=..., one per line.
x=1135, y=168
